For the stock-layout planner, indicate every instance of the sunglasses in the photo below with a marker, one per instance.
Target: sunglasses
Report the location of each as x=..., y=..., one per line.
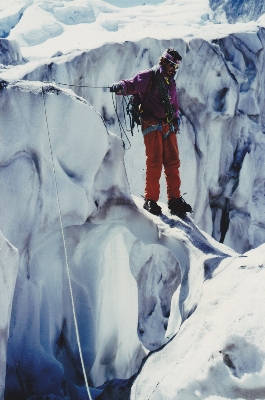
x=176, y=66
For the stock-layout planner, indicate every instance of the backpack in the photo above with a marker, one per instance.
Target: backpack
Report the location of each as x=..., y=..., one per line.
x=135, y=105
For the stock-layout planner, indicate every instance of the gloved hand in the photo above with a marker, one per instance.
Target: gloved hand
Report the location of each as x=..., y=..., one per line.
x=116, y=88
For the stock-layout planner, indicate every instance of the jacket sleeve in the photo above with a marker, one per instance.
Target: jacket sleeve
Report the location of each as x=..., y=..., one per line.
x=138, y=84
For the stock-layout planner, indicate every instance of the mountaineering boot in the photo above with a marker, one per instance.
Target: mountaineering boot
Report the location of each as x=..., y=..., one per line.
x=179, y=207
x=152, y=207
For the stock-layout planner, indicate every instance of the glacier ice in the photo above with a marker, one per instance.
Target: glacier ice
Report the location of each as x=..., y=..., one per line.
x=237, y=10
x=8, y=276
x=219, y=351
x=40, y=339
x=119, y=256
x=10, y=16
x=222, y=122
x=10, y=53
x=75, y=14
x=126, y=265
x=36, y=26
x=105, y=236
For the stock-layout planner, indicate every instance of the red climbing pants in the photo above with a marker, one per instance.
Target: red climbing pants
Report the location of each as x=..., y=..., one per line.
x=160, y=152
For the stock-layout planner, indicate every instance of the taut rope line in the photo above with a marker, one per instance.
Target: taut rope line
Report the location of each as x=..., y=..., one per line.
x=115, y=106
x=72, y=85
x=65, y=252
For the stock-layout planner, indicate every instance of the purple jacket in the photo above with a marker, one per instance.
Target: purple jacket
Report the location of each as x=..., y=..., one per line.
x=151, y=101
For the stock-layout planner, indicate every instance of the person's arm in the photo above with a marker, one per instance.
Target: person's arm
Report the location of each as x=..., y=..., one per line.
x=138, y=84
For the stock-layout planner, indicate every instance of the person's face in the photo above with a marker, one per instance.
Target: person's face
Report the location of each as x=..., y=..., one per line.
x=169, y=68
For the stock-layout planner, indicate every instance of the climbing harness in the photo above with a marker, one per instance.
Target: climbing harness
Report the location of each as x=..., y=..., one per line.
x=158, y=127
x=152, y=128
x=65, y=250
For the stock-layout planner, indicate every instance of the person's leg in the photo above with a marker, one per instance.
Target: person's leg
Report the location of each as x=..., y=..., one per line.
x=171, y=164
x=176, y=204
x=154, y=160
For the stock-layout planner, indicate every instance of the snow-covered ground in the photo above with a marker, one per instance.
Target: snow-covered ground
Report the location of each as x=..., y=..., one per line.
x=139, y=282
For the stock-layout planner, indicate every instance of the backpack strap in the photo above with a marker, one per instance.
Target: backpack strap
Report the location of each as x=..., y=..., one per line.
x=170, y=112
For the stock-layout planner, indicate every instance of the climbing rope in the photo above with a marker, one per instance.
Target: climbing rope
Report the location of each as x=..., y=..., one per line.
x=122, y=130
x=72, y=85
x=119, y=122
x=65, y=251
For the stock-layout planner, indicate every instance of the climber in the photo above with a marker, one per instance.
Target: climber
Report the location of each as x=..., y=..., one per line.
x=158, y=112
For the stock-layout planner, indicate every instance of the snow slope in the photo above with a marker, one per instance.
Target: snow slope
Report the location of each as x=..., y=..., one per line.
x=218, y=352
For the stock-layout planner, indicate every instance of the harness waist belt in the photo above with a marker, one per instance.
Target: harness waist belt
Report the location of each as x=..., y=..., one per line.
x=152, y=128
x=158, y=127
